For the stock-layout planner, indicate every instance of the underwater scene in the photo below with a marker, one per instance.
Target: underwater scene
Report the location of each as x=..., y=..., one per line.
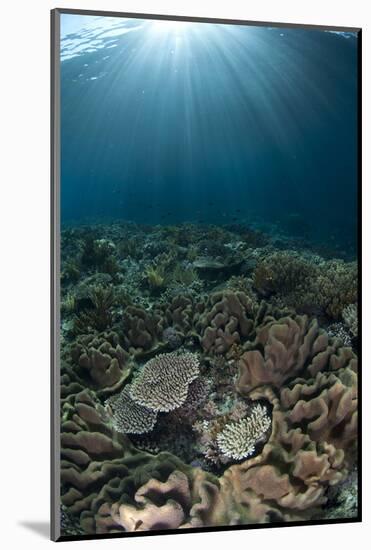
x=208, y=282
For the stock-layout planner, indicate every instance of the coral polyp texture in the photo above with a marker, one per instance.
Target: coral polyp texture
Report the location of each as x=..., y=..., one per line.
x=128, y=416
x=202, y=393
x=163, y=382
x=238, y=440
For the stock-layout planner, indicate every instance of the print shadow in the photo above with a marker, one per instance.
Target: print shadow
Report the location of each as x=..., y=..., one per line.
x=41, y=528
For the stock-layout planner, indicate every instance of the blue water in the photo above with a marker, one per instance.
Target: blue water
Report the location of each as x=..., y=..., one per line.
x=164, y=123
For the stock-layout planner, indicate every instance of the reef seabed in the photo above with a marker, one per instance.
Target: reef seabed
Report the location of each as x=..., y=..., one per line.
x=208, y=378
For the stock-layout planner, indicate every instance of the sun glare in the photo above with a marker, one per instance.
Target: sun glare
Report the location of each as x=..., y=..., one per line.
x=170, y=27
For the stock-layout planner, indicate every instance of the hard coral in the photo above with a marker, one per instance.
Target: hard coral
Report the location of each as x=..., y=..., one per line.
x=282, y=272
x=128, y=416
x=350, y=316
x=163, y=382
x=239, y=439
x=337, y=287
x=307, y=284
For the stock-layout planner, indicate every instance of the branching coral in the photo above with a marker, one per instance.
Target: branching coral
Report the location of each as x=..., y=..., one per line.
x=350, y=316
x=282, y=272
x=197, y=393
x=336, y=287
x=239, y=439
x=163, y=382
x=130, y=417
x=309, y=286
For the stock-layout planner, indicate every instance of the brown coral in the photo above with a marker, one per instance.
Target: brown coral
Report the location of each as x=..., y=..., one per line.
x=290, y=477
x=327, y=405
x=142, y=329
x=314, y=419
x=313, y=426
x=229, y=317
x=281, y=350
x=90, y=452
x=173, y=498
x=102, y=360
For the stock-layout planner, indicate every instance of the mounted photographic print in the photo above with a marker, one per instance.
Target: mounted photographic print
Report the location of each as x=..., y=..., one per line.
x=205, y=287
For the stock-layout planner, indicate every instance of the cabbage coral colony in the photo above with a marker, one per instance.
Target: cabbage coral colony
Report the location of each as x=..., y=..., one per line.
x=207, y=379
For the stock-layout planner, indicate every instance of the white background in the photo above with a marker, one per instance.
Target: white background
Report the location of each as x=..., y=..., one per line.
x=24, y=271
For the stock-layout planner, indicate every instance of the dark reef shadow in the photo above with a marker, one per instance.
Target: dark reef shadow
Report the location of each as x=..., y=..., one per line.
x=41, y=528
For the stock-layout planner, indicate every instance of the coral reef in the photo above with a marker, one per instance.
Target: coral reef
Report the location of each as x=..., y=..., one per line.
x=101, y=360
x=350, y=316
x=163, y=382
x=129, y=417
x=282, y=272
x=238, y=440
x=315, y=287
x=208, y=378
x=141, y=329
x=229, y=317
x=314, y=418
x=337, y=287
x=288, y=346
